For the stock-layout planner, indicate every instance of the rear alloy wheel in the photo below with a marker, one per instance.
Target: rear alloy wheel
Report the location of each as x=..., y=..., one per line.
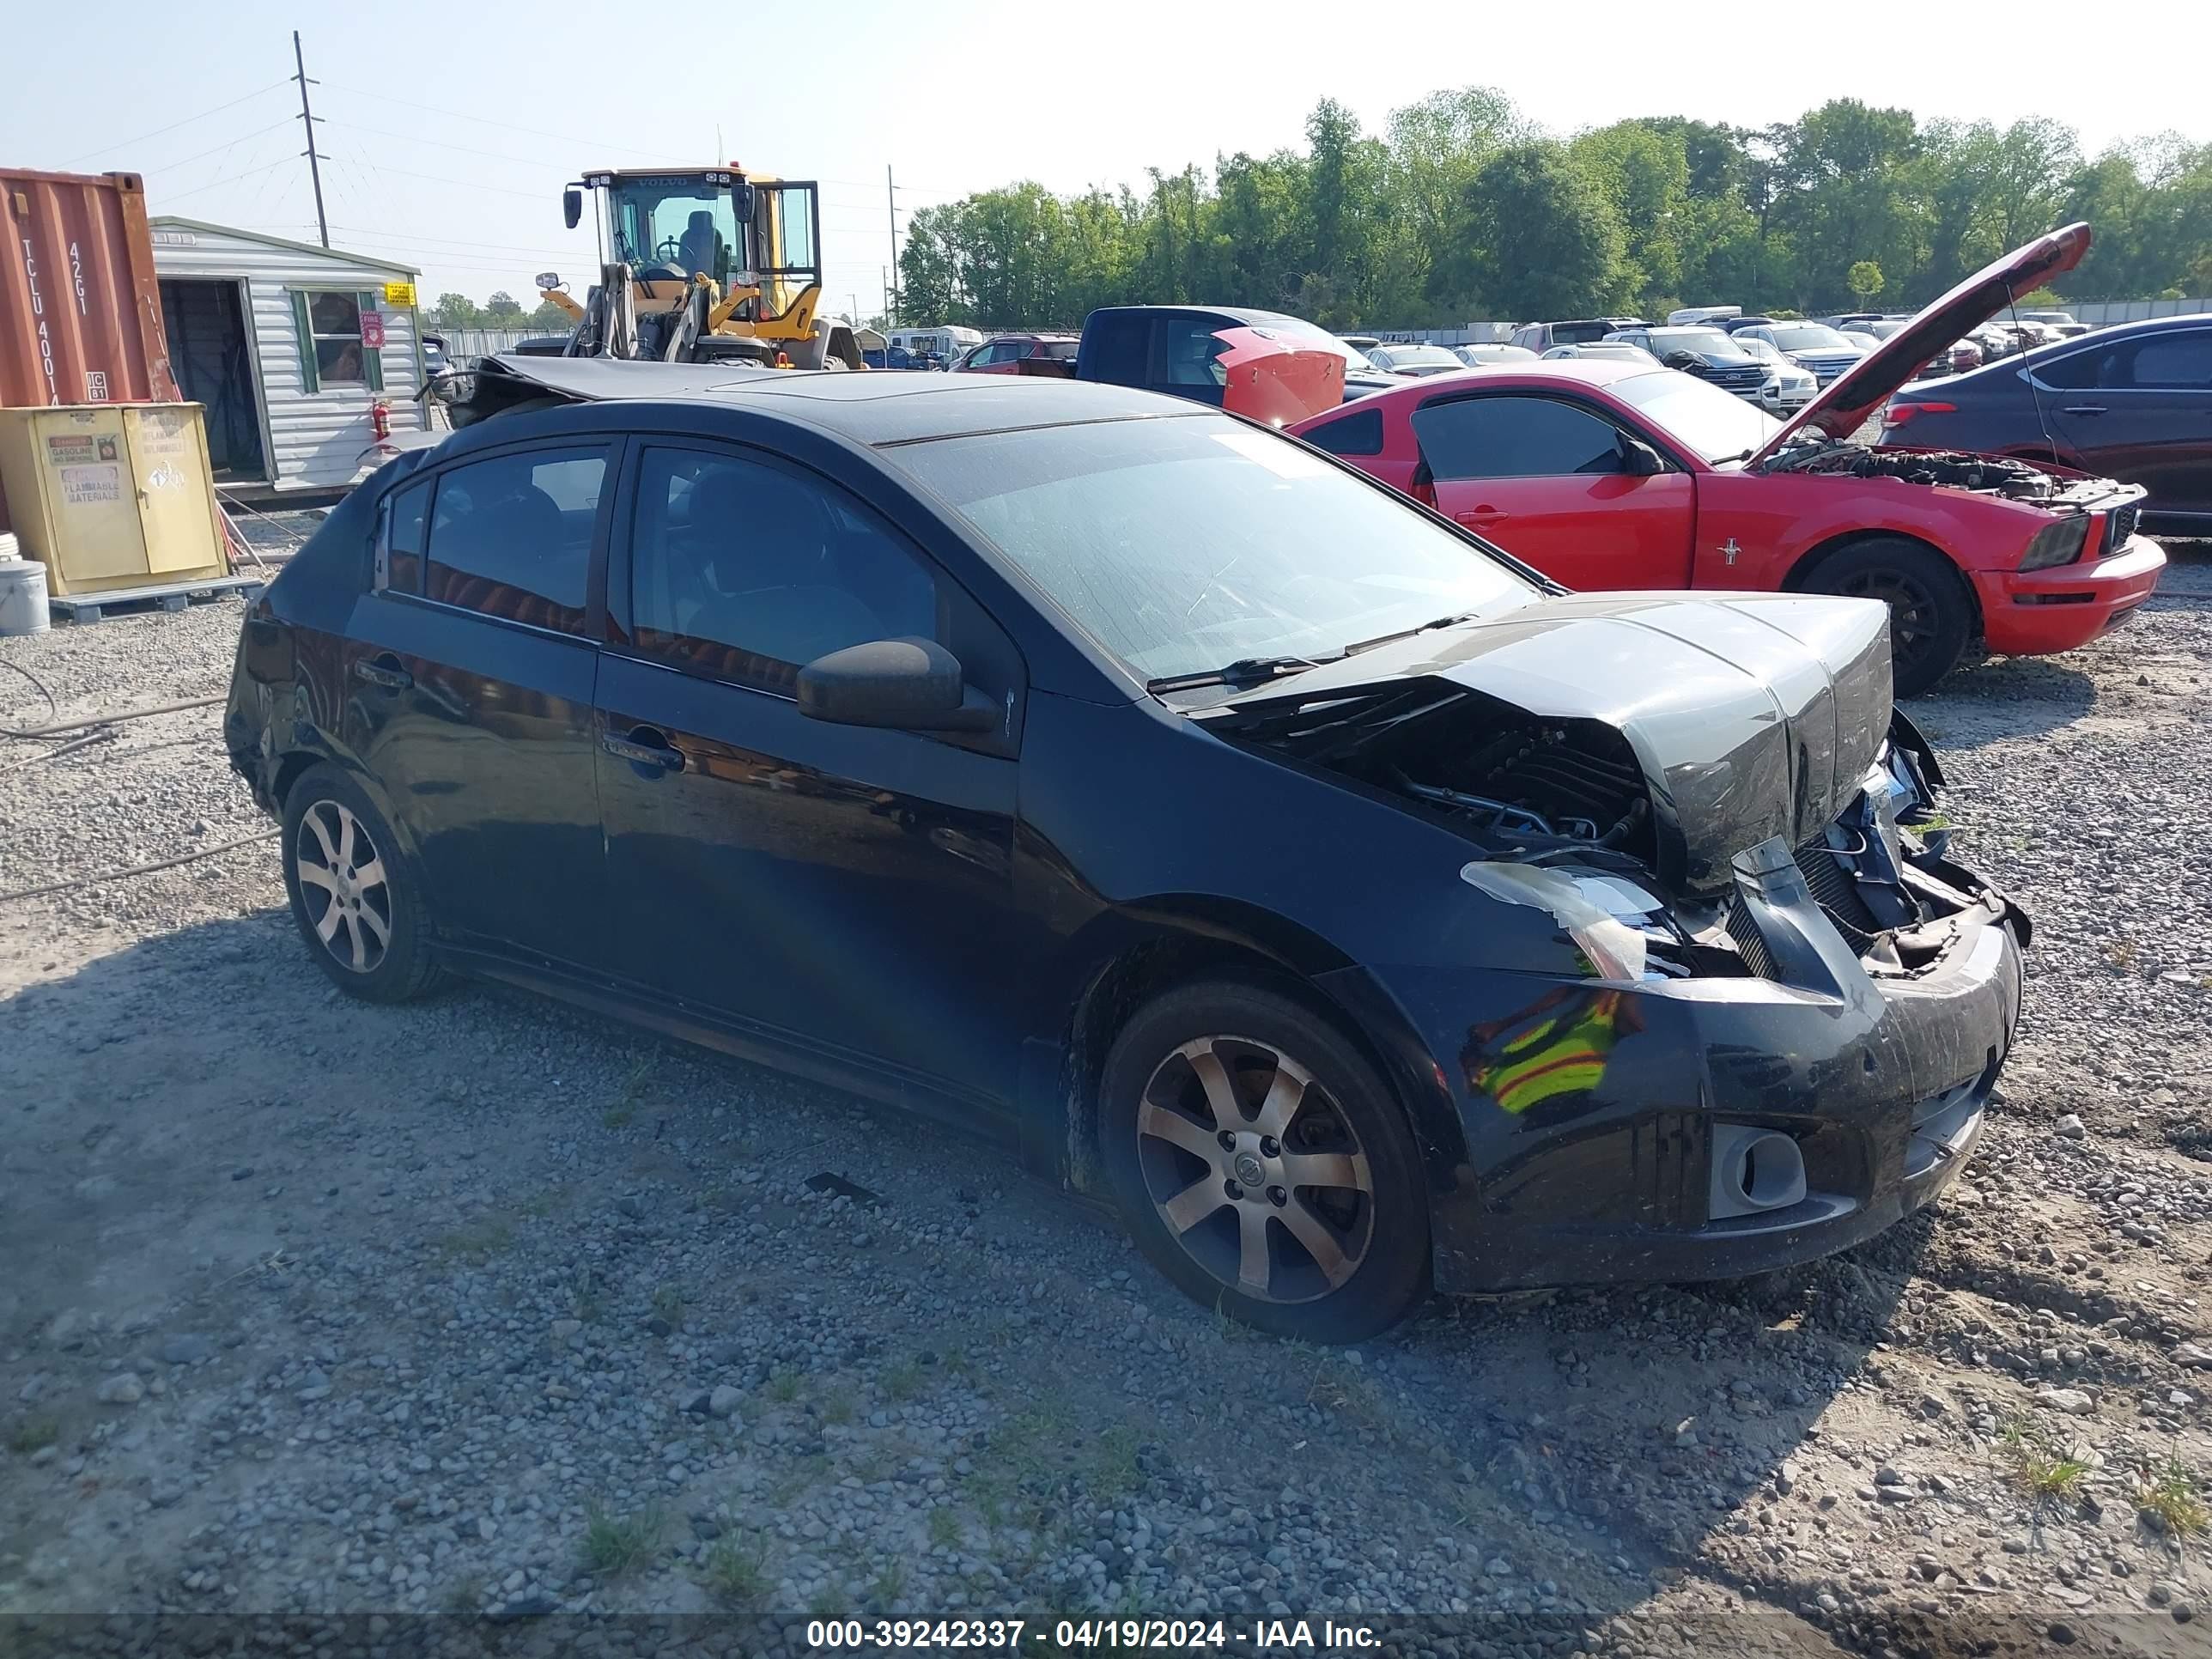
x=1263, y=1163
x=1930, y=616
x=351, y=895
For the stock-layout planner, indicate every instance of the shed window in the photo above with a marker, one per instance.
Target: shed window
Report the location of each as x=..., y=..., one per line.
x=330, y=349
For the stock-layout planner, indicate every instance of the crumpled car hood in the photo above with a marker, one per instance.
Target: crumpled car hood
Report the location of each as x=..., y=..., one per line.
x=1751, y=715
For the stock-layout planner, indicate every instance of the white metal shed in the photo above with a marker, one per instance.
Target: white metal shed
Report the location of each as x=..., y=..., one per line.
x=279, y=340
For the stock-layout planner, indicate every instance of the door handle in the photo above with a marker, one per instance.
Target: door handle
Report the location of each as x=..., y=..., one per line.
x=642, y=751
x=1484, y=514
x=386, y=673
x=2082, y=409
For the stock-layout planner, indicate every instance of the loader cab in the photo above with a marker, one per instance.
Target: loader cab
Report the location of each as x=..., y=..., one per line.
x=714, y=222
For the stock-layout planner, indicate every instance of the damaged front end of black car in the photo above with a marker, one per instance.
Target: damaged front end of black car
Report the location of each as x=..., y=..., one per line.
x=1775, y=1009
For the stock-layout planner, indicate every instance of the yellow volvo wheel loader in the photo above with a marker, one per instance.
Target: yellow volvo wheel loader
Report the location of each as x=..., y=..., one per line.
x=703, y=265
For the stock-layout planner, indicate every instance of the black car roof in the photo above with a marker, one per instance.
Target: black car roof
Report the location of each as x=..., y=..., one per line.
x=873, y=407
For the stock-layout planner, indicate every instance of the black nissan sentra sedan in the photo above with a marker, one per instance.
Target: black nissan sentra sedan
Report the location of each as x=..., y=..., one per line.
x=1234, y=839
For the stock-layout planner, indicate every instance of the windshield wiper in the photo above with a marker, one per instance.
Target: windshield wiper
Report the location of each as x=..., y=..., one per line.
x=1245, y=671
x=1430, y=627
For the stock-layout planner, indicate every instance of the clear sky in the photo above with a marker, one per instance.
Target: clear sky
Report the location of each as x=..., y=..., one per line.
x=451, y=128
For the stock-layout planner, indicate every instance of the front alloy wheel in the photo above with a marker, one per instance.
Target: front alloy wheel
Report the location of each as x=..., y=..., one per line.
x=1263, y=1164
x=1255, y=1171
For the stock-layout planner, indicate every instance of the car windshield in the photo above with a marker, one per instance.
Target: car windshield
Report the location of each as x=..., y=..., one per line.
x=1181, y=545
x=1718, y=425
x=1809, y=337
x=1753, y=346
x=1706, y=342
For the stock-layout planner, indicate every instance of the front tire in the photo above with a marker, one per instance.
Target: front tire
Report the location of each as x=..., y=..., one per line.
x=1931, y=614
x=357, y=903
x=1264, y=1165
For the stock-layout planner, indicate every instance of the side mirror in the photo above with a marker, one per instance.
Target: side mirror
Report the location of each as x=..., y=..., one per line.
x=1639, y=460
x=572, y=206
x=547, y=281
x=742, y=204
x=913, y=685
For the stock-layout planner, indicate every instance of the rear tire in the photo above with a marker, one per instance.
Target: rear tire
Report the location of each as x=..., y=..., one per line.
x=357, y=902
x=1931, y=613
x=1264, y=1165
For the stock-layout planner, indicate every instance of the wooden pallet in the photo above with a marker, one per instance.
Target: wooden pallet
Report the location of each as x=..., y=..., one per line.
x=128, y=601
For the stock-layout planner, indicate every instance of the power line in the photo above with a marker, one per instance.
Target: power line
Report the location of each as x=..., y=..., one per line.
x=125, y=143
x=449, y=242
x=439, y=143
x=232, y=179
x=462, y=115
x=187, y=160
x=466, y=184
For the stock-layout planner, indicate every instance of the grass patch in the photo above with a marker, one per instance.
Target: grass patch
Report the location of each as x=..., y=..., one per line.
x=479, y=1240
x=668, y=1303
x=901, y=1382
x=1112, y=1466
x=2170, y=1492
x=615, y=1545
x=839, y=1407
x=944, y=1527
x=782, y=1386
x=30, y=1434
x=805, y=1474
x=624, y=1106
x=2121, y=953
x=889, y=1585
x=2038, y=1467
x=736, y=1574
x=1344, y=1391
x=832, y=1600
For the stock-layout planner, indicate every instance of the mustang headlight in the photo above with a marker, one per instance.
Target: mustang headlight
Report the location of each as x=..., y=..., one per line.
x=2057, y=543
x=1612, y=921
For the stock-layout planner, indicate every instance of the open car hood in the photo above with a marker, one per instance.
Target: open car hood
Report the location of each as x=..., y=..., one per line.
x=1271, y=379
x=1749, y=715
x=1857, y=393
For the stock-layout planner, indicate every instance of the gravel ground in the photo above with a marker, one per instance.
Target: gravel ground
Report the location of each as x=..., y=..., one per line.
x=482, y=1307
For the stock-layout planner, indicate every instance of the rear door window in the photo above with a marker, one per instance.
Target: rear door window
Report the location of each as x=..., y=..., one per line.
x=1184, y=350
x=510, y=536
x=399, y=556
x=1118, y=346
x=1514, y=437
x=1357, y=434
x=2180, y=362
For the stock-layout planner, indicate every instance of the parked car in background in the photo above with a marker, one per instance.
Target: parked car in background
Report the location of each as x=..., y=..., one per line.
x=1021, y=353
x=2052, y=319
x=1476, y=353
x=2132, y=402
x=914, y=738
x=1811, y=346
x=1540, y=338
x=1607, y=476
x=1617, y=350
x=1844, y=321
x=1403, y=359
x=1859, y=339
x=1173, y=350
x=1704, y=351
x=1362, y=344
x=1756, y=319
x=1691, y=316
x=1787, y=388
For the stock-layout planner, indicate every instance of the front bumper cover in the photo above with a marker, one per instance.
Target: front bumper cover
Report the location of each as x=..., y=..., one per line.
x=1592, y=1109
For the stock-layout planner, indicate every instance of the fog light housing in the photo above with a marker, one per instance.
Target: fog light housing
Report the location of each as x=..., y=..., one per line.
x=1753, y=1170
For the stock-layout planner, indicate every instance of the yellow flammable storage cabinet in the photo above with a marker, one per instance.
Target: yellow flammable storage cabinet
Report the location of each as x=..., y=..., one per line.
x=112, y=495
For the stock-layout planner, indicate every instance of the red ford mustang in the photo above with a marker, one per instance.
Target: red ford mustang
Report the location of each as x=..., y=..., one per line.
x=1605, y=475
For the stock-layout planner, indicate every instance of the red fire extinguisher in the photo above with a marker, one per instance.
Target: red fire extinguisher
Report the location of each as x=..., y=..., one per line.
x=380, y=417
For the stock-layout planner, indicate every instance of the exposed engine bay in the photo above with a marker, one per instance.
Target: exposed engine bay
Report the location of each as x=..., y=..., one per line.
x=1953, y=469
x=1570, y=797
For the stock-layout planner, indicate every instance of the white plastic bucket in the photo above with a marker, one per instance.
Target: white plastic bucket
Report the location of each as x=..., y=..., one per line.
x=22, y=597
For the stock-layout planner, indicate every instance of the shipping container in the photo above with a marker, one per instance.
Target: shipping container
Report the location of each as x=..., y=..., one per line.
x=80, y=305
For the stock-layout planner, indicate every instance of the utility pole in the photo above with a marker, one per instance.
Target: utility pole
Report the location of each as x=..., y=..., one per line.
x=890, y=195
x=307, y=120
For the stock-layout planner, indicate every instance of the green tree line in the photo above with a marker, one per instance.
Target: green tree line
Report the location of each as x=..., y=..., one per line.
x=1461, y=209
x=503, y=310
